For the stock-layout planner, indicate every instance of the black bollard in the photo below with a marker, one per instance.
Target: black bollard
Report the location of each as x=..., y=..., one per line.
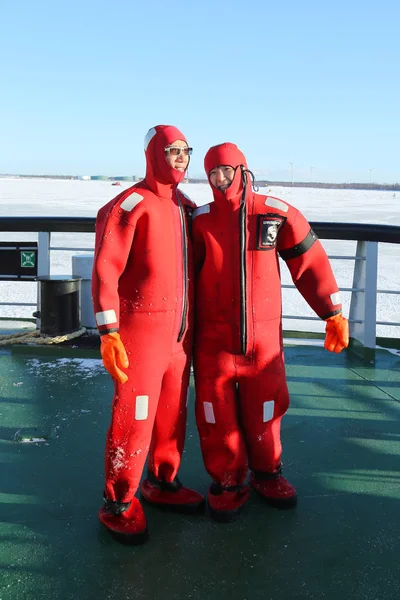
x=60, y=299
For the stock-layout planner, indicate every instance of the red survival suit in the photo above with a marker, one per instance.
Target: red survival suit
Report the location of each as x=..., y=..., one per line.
x=142, y=288
x=241, y=390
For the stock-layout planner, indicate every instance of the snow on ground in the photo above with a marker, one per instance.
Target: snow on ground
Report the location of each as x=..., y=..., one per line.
x=48, y=197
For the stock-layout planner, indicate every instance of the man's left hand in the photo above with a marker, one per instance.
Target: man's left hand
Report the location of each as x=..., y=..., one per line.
x=336, y=333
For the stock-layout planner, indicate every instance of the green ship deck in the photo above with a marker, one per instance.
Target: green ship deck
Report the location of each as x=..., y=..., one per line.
x=341, y=440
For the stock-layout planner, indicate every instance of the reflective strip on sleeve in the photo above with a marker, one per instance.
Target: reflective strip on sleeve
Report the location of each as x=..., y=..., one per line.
x=209, y=412
x=141, y=408
x=268, y=410
x=335, y=298
x=300, y=248
x=106, y=317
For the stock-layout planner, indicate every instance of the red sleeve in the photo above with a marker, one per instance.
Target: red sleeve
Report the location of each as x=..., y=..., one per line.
x=114, y=237
x=309, y=265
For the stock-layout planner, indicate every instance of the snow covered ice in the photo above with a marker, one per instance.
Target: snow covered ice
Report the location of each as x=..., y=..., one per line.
x=52, y=197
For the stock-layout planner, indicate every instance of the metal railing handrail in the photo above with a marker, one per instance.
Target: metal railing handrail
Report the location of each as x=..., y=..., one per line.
x=364, y=290
x=325, y=230
x=48, y=224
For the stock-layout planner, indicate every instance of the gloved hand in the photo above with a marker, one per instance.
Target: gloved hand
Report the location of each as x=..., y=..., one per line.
x=114, y=356
x=336, y=333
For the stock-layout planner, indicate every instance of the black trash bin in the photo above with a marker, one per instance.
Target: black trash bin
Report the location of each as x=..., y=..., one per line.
x=60, y=304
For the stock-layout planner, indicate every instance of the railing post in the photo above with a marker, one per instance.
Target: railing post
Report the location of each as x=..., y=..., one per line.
x=363, y=298
x=43, y=268
x=82, y=266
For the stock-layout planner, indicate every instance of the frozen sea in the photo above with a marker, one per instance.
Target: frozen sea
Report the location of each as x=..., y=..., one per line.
x=48, y=197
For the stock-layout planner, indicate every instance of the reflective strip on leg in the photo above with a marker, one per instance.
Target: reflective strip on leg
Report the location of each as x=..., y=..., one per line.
x=209, y=412
x=268, y=410
x=142, y=408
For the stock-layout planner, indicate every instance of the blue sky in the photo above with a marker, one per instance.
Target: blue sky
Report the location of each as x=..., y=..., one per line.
x=311, y=83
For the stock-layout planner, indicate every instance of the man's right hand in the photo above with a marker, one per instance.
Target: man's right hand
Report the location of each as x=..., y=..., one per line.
x=114, y=356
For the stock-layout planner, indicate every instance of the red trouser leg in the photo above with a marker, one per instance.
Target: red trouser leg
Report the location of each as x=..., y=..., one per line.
x=264, y=399
x=217, y=416
x=148, y=340
x=129, y=435
x=170, y=422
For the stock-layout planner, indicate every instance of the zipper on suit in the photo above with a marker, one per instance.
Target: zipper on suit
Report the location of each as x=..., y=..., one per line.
x=243, y=274
x=185, y=271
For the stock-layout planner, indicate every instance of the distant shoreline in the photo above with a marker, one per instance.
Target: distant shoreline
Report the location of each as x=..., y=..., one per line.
x=394, y=187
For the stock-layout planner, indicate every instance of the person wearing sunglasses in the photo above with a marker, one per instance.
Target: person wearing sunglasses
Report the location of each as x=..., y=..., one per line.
x=241, y=389
x=142, y=297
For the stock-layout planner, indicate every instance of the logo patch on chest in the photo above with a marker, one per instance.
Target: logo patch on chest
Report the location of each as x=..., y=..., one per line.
x=268, y=227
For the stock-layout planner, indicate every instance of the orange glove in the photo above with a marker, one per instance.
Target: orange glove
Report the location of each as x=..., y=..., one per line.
x=336, y=333
x=114, y=356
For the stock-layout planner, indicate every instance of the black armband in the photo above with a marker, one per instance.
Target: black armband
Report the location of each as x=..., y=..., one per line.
x=300, y=248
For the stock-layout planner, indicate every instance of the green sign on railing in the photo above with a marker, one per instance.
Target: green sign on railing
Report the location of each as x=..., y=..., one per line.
x=18, y=261
x=28, y=259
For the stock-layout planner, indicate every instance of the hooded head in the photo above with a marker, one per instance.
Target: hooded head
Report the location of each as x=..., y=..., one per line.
x=226, y=154
x=160, y=175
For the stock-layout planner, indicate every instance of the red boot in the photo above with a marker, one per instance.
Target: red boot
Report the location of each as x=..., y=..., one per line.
x=125, y=521
x=171, y=495
x=274, y=488
x=226, y=503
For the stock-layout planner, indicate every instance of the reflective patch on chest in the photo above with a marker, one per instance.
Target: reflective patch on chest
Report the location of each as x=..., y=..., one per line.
x=131, y=201
x=268, y=227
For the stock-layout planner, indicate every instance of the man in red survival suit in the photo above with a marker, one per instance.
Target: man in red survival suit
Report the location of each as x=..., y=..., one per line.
x=142, y=296
x=241, y=390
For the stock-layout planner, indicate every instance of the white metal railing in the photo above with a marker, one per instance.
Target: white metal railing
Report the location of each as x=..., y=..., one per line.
x=364, y=290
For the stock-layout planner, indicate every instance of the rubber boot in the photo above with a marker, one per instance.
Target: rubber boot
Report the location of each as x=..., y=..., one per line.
x=171, y=495
x=274, y=488
x=125, y=521
x=226, y=503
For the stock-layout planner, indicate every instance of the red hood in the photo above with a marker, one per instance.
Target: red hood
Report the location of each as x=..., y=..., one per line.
x=227, y=154
x=160, y=176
